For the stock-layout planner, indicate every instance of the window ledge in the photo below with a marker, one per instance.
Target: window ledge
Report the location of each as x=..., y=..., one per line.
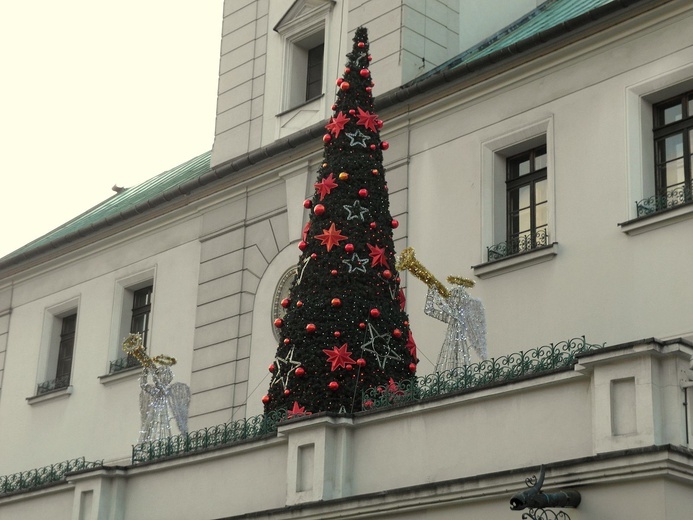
x=49, y=396
x=300, y=105
x=121, y=375
x=516, y=261
x=657, y=220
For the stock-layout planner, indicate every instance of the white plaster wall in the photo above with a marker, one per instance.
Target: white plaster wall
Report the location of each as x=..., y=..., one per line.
x=97, y=421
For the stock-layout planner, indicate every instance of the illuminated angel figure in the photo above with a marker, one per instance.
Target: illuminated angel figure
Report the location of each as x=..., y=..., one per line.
x=159, y=400
x=466, y=323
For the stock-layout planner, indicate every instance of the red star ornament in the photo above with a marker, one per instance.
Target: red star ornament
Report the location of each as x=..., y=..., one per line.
x=330, y=237
x=297, y=411
x=411, y=346
x=325, y=186
x=377, y=255
x=338, y=356
x=367, y=120
x=337, y=124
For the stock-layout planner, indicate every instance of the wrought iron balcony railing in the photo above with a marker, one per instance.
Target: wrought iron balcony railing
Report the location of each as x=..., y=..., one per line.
x=555, y=356
x=32, y=479
x=53, y=384
x=123, y=363
x=520, y=244
x=213, y=437
x=670, y=198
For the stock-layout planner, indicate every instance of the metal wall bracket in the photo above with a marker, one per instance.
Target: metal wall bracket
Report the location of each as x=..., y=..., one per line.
x=537, y=502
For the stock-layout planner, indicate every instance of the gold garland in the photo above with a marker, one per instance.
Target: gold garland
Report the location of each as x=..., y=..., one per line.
x=133, y=346
x=407, y=261
x=460, y=280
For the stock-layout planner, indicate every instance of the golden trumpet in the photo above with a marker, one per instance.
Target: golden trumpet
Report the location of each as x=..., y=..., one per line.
x=407, y=262
x=133, y=345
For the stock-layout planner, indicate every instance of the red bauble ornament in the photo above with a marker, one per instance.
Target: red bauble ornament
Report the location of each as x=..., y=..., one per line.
x=279, y=323
x=334, y=385
x=397, y=333
x=384, y=145
x=307, y=203
x=387, y=274
x=361, y=362
x=368, y=89
x=334, y=272
x=349, y=248
x=286, y=302
x=375, y=313
x=272, y=368
x=345, y=86
x=373, y=147
x=287, y=391
x=326, y=138
x=347, y=70
x=348, y=367
x=362, y=325
x=372, y=225
x=302, y=245
x=336, y=302
x=374, y=172
x=314, y=256
x=340, y=81
x=310, y=328
x=361, y=45
x=394, y=223
x=370, y=57
x=300, y=372
x=412, y=367
x=336, y=333
x=287, y=341
x=364, y=73
x=265, y=399
x=299, y=303
x=406, y=323
x=363, y=193
x=352, y=112
x=379, y=123
x=334, y=107
x=319, y=209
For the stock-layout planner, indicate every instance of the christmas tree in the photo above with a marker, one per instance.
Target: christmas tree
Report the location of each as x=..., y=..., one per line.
x=345, y=329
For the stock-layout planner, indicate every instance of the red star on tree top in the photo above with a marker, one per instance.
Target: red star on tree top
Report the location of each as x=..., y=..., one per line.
x=367, y=120
x=325, y=186
x=339, y=357
x=378, y=256
x=296, y=411
x=331, y=237
x=337, y=123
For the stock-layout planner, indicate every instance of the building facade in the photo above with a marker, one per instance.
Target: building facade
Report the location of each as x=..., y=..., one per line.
x=549, y=159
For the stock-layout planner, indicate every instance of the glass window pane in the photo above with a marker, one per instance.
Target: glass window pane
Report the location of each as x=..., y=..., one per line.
x=540, y=191
x=540, y=161
x=541, y=215
x=671, y=148
x=525, y=220
x=523, y=168
x=675, y=173
x=524, y=197
x=672, y=113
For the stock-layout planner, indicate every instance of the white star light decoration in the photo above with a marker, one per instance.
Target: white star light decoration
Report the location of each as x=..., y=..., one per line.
x=357, y=138
x=356, y=211
x=356, y=263
x=370, y=346
x=285, y=366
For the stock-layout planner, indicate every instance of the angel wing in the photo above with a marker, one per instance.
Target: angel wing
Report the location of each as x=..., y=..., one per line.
x=145, y=405
x=435, y=306
x=179, y=400
x=475, y=318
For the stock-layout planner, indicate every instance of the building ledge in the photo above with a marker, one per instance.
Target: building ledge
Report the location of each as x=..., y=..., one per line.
x=516, y=261
x=121, y=375
x=657, y=220
x=49, y=396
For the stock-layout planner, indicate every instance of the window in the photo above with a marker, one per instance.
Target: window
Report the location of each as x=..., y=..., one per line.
x=305, y=69
x=314, y=71
x=526, y=206
x=673, y=138
x=517, y=201
x=60, y=355
x=134, y=297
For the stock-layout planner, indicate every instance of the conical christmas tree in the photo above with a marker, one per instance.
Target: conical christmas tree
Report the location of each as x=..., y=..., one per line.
x=345, y=329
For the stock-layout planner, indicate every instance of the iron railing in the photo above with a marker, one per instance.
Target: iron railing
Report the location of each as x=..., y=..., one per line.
x=123, y=364
x=503, y=369
x=35, y=478
x=53, y=384
x=213, y=437
x=521, y=244
x=668, y=199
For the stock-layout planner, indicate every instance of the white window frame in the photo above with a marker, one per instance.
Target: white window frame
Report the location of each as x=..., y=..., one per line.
x=494, y=153
x=640, y=99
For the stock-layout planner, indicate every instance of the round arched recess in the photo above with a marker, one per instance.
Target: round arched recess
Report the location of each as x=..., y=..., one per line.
x=263, y=345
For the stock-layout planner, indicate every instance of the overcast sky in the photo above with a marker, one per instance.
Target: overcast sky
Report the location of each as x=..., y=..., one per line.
x=95, y=93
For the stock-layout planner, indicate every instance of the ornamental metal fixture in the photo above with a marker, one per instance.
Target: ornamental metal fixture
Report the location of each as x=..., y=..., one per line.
x=666, y=199
x=536, y=501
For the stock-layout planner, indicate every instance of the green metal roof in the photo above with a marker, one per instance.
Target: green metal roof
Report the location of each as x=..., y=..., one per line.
x=547, y=16
x=128, y=199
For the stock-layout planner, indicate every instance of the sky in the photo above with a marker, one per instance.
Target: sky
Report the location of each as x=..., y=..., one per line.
x=95, y=93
